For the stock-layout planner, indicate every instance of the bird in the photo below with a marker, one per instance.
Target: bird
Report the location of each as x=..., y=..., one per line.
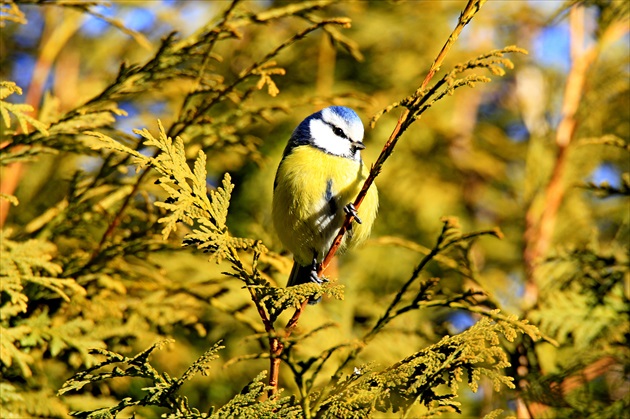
x=319, y=176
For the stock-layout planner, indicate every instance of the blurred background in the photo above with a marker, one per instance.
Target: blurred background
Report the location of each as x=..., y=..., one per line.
x=492, y=156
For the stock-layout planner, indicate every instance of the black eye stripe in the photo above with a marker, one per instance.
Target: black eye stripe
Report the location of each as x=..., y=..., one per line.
x=337, y=131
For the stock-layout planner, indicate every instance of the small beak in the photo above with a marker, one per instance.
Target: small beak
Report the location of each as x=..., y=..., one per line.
x=358, y=145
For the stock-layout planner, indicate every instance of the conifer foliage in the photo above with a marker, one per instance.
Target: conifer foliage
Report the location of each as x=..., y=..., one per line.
x=139, y=275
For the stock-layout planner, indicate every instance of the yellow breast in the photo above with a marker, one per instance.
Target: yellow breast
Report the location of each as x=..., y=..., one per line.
x=311, y=190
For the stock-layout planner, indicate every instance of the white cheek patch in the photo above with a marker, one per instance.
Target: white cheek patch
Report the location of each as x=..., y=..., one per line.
x=356, y=132
x=324, y=138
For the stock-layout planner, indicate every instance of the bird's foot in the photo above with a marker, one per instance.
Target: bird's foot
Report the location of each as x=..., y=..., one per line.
x=350, y=209
x=315, y=278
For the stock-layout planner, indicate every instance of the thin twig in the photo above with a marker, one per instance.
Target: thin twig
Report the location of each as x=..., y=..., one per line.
x=114, y=224
x=472, y=7
x=404, y=121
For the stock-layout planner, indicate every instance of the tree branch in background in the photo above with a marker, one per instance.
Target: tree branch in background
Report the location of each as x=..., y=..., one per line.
x=539, y=228
x=50, y=46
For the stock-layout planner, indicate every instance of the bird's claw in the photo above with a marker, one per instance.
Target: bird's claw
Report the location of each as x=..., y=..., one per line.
x=314, y=277
x=350, y=209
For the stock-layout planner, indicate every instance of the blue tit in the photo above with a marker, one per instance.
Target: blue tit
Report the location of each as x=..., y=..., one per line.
x=319, y=176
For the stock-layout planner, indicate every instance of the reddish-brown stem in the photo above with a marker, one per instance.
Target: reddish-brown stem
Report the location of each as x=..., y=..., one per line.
x=540, y=229
x=275, y=346
x=292, y=323
x=374, y=171
x=469, y=11
x=50, y=46
x=404, y=121
x=275, y=351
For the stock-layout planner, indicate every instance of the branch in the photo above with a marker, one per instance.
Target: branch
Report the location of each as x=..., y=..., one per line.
x=539, y=230
x=404, y=121
x=49, y=48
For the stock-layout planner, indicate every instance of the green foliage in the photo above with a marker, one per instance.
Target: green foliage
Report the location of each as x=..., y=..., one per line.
x=9, y=11
x=163, y=391
x=19, y=111
x=588, y=289
x=588, y=284
x=476, y=352
x=92, y=266
x=24, y=265
x=183, y=186
x=423, y=99
x=161, y=394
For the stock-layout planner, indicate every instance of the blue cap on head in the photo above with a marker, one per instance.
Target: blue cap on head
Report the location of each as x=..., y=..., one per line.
x=302, y=130
x=346, y=113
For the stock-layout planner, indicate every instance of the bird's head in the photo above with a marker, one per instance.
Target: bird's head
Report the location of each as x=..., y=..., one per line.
x=335, y=130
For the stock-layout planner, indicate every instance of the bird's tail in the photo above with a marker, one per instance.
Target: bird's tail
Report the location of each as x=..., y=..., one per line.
x=299, y=274
x=304, y=275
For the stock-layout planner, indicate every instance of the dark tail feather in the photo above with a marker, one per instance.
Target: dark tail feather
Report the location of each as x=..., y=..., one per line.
x=304, y=275
x=300, y=275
